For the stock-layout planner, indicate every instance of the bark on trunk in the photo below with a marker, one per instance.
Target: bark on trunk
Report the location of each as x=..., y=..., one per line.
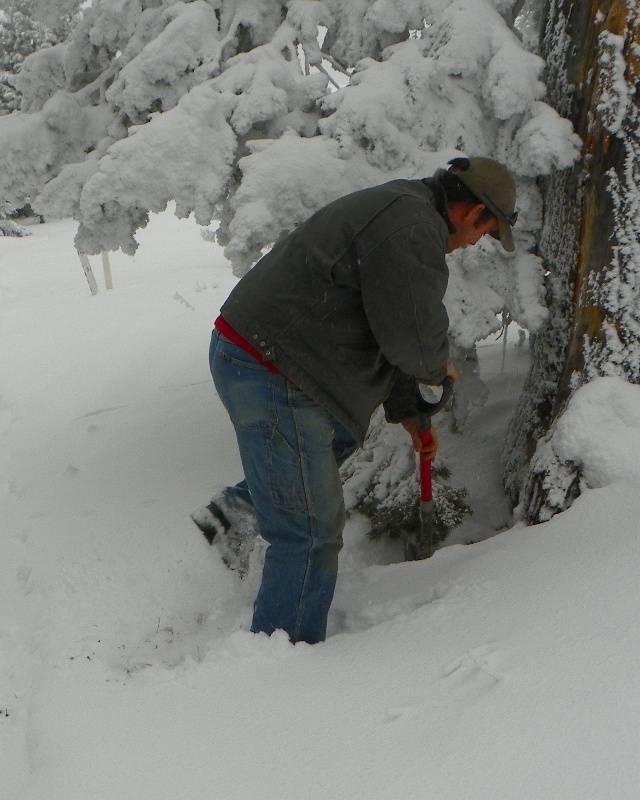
x=590, y=239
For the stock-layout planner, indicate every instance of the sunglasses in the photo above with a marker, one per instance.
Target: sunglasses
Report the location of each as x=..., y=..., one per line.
x=511, y=218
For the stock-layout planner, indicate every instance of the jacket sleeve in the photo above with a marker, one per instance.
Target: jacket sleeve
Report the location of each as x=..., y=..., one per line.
x=403, y=281
x=401, y=402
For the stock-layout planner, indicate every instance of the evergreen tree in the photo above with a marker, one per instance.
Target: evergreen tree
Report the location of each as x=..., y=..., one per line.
x=381, y=482
x=22, y=32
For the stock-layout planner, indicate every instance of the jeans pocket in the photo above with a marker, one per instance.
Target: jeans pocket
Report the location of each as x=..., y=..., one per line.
x=244, y=386
x=246, y=361
x=285, y=473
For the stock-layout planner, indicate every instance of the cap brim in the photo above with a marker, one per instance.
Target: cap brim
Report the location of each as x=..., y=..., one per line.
x=504, y=235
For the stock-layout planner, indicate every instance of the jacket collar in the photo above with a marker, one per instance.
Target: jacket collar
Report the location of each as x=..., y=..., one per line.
x=440, y=199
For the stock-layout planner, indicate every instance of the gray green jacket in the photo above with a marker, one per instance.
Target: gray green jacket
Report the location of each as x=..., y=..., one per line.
x=349, y=306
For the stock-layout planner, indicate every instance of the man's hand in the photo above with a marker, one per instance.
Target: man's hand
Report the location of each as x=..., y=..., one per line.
x=452, y=372
x=430, y=450
x=412, y=427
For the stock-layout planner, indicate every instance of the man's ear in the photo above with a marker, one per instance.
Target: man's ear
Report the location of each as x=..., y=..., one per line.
x=474, y=213
x=463, y=214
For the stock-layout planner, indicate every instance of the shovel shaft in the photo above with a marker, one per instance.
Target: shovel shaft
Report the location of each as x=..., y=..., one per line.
x=420, y=544
x=426, y=546
x=426, y=490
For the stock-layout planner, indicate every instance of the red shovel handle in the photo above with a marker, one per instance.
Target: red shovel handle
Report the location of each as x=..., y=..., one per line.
x=426, y=491
x=425, y=412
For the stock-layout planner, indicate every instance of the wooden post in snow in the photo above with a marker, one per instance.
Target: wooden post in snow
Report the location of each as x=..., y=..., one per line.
x=86, y=266
x=106, y=265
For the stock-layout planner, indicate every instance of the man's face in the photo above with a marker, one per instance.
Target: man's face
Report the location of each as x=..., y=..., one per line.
x=469, y=225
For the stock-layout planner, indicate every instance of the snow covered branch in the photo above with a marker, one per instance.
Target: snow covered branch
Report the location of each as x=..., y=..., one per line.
x=229, y=108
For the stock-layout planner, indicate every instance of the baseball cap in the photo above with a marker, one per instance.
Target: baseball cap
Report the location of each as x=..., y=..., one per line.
x=494, y=186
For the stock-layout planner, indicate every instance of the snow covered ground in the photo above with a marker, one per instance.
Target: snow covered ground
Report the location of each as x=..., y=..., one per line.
x=505, y=670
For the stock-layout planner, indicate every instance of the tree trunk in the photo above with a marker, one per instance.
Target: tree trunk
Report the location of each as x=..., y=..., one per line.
x=590, y=240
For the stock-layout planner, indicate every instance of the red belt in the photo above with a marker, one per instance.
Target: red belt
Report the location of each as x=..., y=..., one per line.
x=225, y=329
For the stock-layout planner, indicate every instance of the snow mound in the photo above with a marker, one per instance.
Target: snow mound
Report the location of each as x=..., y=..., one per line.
x=600, y=432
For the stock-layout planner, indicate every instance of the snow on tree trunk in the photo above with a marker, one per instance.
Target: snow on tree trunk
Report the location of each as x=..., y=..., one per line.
x=590, y=241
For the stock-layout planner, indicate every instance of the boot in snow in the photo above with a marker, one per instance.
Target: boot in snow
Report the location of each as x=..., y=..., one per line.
x=229, y=522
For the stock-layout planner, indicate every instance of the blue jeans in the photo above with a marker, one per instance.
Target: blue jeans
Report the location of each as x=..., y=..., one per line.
x=291, y=449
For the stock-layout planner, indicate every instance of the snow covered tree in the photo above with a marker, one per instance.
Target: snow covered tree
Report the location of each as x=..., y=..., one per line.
x=25, y=27
x=226, y=107
x=241, y=113
x=19, y=37
x=590, y=241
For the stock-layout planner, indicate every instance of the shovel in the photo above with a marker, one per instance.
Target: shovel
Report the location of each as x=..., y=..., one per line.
x=420, y=545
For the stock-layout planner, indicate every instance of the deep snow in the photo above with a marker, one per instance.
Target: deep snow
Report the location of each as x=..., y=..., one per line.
x=505, y=670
